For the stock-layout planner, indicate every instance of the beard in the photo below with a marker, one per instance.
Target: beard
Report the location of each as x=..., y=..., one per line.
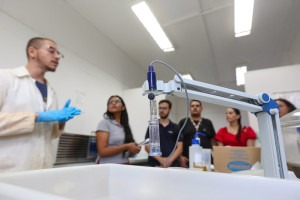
x=164, y=116
x=46, y=67
x=194, y=115
x=49, y=69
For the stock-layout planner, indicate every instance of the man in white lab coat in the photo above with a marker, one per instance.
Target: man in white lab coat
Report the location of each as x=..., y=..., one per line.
x=29, y=115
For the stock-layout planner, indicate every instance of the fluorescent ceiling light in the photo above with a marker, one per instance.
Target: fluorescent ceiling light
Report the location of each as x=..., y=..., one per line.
x=240, y=75
x=243, y=13
x=143, y=12
x=187, y=76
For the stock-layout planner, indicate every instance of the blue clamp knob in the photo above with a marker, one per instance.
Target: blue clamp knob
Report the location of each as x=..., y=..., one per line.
x=264, y=98
x=271, y=107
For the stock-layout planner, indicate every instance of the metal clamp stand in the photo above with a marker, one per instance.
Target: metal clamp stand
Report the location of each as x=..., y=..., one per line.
x=265, y=109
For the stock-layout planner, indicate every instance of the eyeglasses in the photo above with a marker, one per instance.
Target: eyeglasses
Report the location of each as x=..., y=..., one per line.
x=114, y=101
x=52, y=50
x=163, y=108
x=197, y=106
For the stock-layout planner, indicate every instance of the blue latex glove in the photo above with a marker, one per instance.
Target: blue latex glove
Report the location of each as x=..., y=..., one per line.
x=61, y=116
x=66, y=106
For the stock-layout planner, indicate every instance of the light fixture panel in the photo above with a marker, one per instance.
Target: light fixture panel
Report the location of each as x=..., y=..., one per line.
x=240, y=75
x=145, y=15
x=243, y=14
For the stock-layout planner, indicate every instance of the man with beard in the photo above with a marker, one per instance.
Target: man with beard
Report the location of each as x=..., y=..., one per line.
x=168, y=133
x=194, y=124
x=29, y=118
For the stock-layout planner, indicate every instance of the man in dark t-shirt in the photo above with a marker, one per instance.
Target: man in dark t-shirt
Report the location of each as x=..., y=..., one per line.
x=194, y=124
x=168, y=133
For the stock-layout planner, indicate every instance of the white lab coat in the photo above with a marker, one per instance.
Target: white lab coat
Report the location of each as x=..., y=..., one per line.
x=24, y=144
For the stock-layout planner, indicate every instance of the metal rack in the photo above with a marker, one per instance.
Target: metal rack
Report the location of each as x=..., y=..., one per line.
x=74, y=148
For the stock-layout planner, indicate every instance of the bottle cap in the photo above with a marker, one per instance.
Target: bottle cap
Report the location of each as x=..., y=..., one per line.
x=196, y=141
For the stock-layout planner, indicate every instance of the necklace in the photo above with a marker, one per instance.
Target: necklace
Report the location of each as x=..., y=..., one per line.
x=233, y=130
x=196, y=125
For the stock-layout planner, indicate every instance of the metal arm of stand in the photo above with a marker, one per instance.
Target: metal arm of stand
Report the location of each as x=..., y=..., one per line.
x=273, y=156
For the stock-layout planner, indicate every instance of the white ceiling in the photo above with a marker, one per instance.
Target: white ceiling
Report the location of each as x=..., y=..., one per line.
x=200, y=30
x=202, y=33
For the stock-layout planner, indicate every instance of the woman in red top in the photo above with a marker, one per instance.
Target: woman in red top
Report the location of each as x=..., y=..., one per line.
x=234, y=134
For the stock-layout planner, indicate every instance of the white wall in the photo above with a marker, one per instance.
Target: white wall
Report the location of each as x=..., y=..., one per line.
x=294, y=52
x=59, y=21
x=85, y=83
x=273, y=81
x=94, y=67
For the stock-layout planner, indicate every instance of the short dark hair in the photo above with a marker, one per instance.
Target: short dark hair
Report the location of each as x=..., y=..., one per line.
x=166, y=101
x=196, y=101
x=36, y=42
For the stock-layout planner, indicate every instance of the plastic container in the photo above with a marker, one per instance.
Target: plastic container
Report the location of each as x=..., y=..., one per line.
x=290, y=126
x=114, y=181
x=196, y=155
x=206, y=154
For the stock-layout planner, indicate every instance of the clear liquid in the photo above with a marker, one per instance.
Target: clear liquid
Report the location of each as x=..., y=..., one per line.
x=154, y=138
x=155, y=149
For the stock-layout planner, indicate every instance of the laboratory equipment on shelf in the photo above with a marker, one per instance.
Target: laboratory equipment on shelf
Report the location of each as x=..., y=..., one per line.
x=265, y=109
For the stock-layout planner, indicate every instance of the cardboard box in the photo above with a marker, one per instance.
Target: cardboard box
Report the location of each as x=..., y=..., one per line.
x=233, y=159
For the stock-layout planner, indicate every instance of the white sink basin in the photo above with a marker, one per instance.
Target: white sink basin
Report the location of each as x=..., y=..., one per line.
x=112, y=181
